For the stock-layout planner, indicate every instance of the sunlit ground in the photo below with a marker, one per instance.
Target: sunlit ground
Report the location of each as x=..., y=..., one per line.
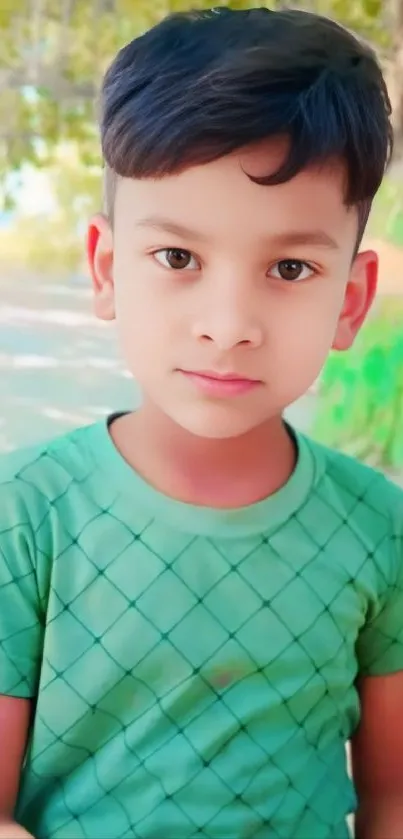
x=58, y=365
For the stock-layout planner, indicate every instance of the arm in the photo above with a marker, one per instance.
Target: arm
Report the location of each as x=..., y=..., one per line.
x=25, y=568
x=377, y=752
x=14, y=723
x=12, y=830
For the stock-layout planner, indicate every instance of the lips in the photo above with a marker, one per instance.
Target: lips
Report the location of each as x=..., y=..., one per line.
x=220, y=385
x=220, y=377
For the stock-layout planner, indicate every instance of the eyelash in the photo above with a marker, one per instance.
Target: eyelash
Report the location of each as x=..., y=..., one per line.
x=302, y=263
x=160, y=251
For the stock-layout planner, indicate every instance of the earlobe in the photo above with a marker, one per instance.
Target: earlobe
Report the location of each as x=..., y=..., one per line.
x=358, y=299
x=100, y=261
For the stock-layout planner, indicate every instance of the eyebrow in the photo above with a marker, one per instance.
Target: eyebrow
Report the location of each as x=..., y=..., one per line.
x=168, y=226
x=291, y=238
x=316, y=238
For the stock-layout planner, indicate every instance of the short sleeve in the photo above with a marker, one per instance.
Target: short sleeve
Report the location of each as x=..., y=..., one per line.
x=380, y=644
x=21, y=624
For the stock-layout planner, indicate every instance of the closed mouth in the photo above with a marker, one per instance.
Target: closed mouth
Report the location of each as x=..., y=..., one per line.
x=220, y=377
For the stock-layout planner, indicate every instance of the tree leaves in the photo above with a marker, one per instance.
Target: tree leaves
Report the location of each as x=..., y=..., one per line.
x=361, y=395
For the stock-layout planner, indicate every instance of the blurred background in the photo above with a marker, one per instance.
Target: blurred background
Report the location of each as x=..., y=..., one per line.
x=58, y=366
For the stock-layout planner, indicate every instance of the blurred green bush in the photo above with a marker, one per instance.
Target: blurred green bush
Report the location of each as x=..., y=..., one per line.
x=386, y=221
x=360, y=405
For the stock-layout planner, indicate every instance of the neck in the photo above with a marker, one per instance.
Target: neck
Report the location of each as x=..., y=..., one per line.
x=226, y=473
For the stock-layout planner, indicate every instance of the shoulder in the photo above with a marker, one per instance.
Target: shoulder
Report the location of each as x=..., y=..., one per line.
x=35, y=523
x=33, y=478
x=358, y=491
x=361, y=511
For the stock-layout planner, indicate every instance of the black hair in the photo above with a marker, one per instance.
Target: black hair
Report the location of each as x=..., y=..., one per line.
x=200, y=85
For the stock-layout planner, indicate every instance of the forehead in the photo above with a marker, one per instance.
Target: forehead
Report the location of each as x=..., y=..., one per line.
x=221, y=200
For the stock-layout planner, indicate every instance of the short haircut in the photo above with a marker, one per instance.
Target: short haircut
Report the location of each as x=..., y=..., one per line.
x=200, y=85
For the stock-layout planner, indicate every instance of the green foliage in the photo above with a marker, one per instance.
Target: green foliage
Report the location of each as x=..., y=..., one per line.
x=386, y=222
x=41, y=246
x=361, y=393
x=55, y=243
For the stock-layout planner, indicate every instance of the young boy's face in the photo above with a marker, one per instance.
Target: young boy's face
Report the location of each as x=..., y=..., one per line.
x=209, y=274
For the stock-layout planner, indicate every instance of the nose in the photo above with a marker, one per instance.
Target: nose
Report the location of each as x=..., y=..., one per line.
x=229, y=318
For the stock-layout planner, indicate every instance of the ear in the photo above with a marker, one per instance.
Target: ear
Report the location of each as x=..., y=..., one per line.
x=100, y=260
x=359, y=296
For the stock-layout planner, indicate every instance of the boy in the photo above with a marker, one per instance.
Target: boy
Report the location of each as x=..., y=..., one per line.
x=199, y=606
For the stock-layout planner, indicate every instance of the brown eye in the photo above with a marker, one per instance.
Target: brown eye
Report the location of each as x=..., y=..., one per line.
x=292, y=270
x=177, y=259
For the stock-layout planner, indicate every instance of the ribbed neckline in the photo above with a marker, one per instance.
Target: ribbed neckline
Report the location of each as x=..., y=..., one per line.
x=264, y=516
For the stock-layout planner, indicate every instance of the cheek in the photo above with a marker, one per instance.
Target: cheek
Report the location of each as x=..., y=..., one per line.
x=311, y=327
x=316, y=313
x=143, y=324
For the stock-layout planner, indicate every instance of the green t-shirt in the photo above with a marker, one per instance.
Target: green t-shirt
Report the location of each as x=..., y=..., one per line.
x=193, y=669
